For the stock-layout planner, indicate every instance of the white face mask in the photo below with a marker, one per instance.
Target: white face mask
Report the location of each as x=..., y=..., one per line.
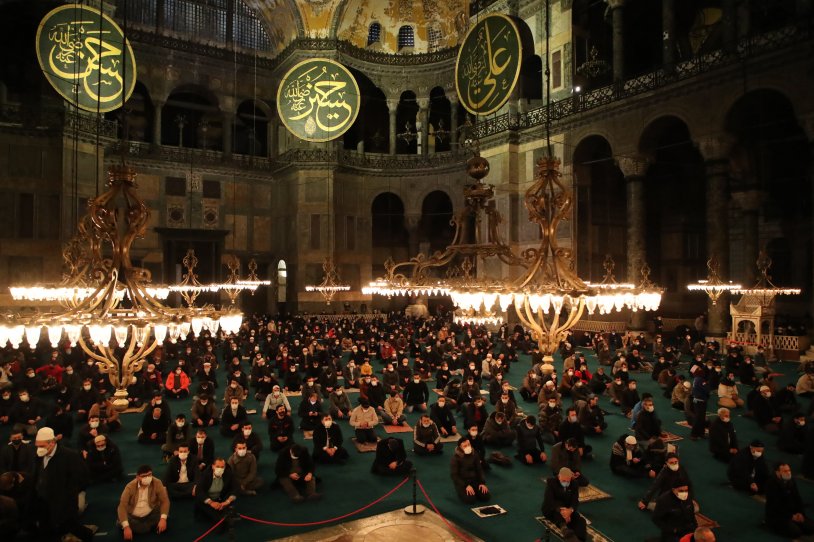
x=467, y=451
x=42, y=451
x=86, y=387
x=183, y=455
x=757, y=454
x=200, y=440
x=93, y=425
x=672, y=466
x=146, y=480
x=683, y=495
x=327, y=424
x=218, y=471
x=650, y=408
x=241, y=453
x=234, y=406
x=552, y=405
x=247, y=432
x=179, y=424
x=24, y=398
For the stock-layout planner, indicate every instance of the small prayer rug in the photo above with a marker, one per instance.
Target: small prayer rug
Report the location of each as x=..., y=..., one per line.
x=688, y=426
x=308, y=435
x=589, y=493
x=704, y=521
x=292, y=393
x=438, y=391
x=364, y=448
x=593, y=534
x=390, y=428
x=671, y=437
x=135, y=410
x=489, y=511
x=451, y=438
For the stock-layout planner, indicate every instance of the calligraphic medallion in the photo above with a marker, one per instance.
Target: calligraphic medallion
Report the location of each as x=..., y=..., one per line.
x=488, y=64
x=85, y=57
x=318, y=100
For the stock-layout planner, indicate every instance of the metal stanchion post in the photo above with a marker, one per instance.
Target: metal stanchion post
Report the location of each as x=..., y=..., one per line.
x=415, y=508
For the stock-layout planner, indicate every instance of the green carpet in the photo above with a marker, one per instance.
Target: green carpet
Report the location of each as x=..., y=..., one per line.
x=517, y=488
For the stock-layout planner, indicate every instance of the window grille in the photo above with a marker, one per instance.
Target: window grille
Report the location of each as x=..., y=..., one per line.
x=374, y=33
x=406, y=37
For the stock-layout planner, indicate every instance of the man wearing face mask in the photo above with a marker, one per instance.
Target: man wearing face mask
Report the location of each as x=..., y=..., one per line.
x=144, y=505
x=273, y=400
x=467, y=473
x=232, y=418
x=295, y=473
x=671, y=475
x=153, y=427
x=104, y=460
x=328, y=443
x=442, y=415
x=310, y=411
x=416, y=394
x=338, y=404
x=202, y=449
x=203, y=412
x=792, y=438
x=764, y=411
x=723, y=441
x=214, y=492
x=244, y=469
x=785, y=510
x=674, y=513
x=18, y=456
x=426, y=437
x=628, y=460
x=179, y=478
x=26, y=412
x=748, y=471
x=253, y=441
x=280, y=429
x=561, y=505
x=60, y=475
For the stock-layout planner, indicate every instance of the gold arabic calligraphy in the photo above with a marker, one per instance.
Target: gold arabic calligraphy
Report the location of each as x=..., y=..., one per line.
x=319, y=97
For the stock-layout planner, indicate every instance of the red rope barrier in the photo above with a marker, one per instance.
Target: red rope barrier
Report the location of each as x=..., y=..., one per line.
x=448, y=524
x=324, y=521
x=212, y=528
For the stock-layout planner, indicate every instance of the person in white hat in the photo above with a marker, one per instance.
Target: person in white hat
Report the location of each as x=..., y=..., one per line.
x=59, y=477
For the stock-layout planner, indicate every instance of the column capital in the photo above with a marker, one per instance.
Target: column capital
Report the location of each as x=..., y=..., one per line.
x=615, y=4
x=392, y=105
x=715, y=147
x=423, y=103
x=453, y=98
x=411, y=221
x=632, y=166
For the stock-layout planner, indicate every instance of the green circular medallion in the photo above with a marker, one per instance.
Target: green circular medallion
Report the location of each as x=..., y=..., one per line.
x=488, y=64
x=84, y=56
x=318, y=100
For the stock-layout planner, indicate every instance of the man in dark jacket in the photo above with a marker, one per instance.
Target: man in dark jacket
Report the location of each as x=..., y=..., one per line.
x=648, y=424
x=295, y=474
x=723, y=442
x=674, y=514
x=416, y=394
x=391, y=459
x=214, y=492
x=792, y=438
x=18, y=456
x=497, y=431
x=281, y=429
x=748, y=471
x=670, y=476
x=561, y=504
x=232, y=418
x=627, y=459
x=179, y=478
x=785, y=511
x=104, y=460
x=441, y=414
x=467, y=474
x=202, y=450
x=328, y=442
x=530, y=444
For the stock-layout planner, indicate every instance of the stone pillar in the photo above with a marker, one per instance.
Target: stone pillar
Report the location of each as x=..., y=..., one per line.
x=618, y=14
x=157, y=108
x=423, y=125
x=750, y=201
x=715, y=150
x=392, y=108
x=453, y=121
x=730, y=25
x=227, y=121
x=668, y=56
x=634, y=170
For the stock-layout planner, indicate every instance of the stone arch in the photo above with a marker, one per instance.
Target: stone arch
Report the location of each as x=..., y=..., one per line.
x=440, y=119
x=191, y=118
x=434, y=226
x=406, y=118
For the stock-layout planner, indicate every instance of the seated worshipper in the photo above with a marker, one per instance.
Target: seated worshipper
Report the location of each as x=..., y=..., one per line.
x=566, y=454
x=153, y=427
x=204, y=413
x=723, y=441
x=805, y=384
x=561, y=504
x=375, y=394
x=363, y=419
x=617, y=389
x=550, y=421
x=390, y=378
x=508, y=408
x=391, y=459
x=785, y=399
x=177, y=434
x=18, y=456
x=600, y=382
x=352, y=375
x=61, y=420
x=234, y=390
x=442, y=415
x=467, y=473
x=27, y=412
x=214, y=492
x=295, y=474
x=104, y=461
x=748, y=471
x=764, y=411
x=681, y=392
x=292, y=381
x=669, y=476
x=475, y=413
x=497, y=431
x=648, y=424
x=310, y=412
x=328, y=443
x=107, y=413
x=453, y=392
x=728, y=393
x=179, y=479
x=530, y=388
x=570, y=428
x=674, y=513
x=253, y=441
x=339, y=404
x=92, y=429
x=144, y=505
x=442, y=376
x=273, y=399
x=530, y=444
x=792, y=438
x=416, y=394
x=785, y=510
x=202, y=449
x=590, y=416
x=392, y=410
x=232, y=417
x=628, y=460
x=328, y=380
x=629, y=398
x=244, y=470
x=281, y=429
x=177, y=384
x=426, y=437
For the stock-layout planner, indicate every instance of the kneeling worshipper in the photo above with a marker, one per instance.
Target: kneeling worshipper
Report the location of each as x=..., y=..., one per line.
x=244, y=468
x=214, y=492
x=426, y=437
x=561, y=505
x=391, y=459
x=785, y=510
x=674, y=513
x=328, y=443
x=144, y=505
x=295, y=474
x=748, y=471
x=467, y=473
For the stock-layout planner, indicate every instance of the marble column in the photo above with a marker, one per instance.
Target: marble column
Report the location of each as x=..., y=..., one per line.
x=227, y=120
x=730, y=25
x=453, y=121
x=423, y=125
x=158, y=107
x=618, y=18
x=715, y=150
x=634, y=170
x=392, y=108
x=668, y=56
x=750, y=200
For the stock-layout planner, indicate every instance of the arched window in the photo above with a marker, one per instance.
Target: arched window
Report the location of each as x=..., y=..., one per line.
x=374, y=33
x=406, y=37
x=282, y=277
x=434, y=38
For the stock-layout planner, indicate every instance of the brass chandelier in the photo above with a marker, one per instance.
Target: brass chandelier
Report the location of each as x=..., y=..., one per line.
x=713, y=286
x=331, y=283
